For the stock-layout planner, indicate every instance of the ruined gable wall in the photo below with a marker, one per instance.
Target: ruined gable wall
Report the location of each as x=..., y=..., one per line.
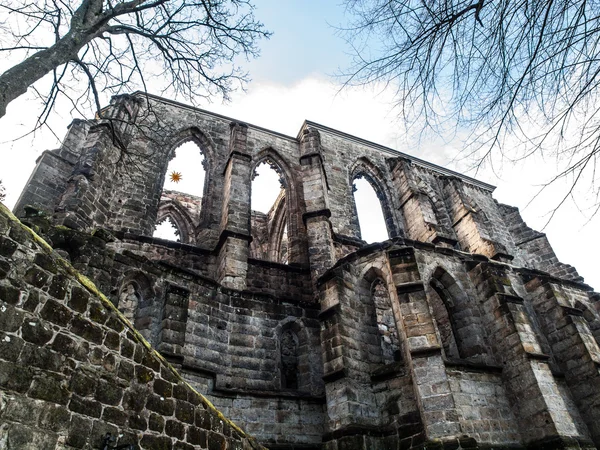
x=53, y=169
x=533, y=248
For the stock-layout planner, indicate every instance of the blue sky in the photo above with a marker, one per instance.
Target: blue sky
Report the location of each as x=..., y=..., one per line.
x=303, y=43
x=292, y=81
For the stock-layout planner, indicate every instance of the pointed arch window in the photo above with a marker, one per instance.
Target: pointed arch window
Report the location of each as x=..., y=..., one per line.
x=457, y=319
x=183, y=190
x=135, y=300
x=443, y=309
x=372, y=225
x=129, y=300
x=167, y=229
x=269, y=213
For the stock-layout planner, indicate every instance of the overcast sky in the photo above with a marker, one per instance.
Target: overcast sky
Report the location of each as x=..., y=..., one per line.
x=292, y=81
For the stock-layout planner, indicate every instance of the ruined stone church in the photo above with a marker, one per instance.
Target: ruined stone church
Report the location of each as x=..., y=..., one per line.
x=283, y=330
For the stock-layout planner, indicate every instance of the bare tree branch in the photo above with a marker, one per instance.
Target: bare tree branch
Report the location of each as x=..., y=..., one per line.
x=524, y=71
x=192, y=45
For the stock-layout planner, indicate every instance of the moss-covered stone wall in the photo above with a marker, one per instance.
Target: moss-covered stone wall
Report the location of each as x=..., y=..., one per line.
x=73, y=369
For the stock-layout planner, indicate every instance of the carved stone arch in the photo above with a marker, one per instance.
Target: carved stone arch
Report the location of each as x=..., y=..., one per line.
x=456, y=318
x=181, y=219
x=207, y=148
x=310, y=366
x=436, y=200
x=375, y=296
x=292, y=207
x=272, y=157
x=364, y=168
x=436, y=214
x=195, y=135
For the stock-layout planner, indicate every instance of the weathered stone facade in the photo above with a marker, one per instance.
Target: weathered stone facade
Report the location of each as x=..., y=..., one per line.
x=463, y=330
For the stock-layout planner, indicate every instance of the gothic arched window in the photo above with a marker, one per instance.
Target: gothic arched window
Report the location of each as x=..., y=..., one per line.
x=372, y=224
x=450, y=304
x=289, y=359
x=182, y=194
x=443, y=309
x=167, y=229
x=269, y=213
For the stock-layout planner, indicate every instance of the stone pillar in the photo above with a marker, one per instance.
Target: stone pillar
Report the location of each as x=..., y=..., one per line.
x=424, y=352
x=316, y=218
x=573, y=345
x=537, y=399
x=84, y=203
x=422, y=217
x=234, y=241
x=474, y=232
x=122, y=115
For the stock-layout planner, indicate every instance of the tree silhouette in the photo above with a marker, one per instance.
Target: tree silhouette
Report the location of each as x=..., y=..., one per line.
x=190, y=46
x=525, y=71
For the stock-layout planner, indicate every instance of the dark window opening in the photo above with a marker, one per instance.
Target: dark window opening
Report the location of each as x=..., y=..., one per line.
x=289, y=360
x=129, y=300
x=443, y=306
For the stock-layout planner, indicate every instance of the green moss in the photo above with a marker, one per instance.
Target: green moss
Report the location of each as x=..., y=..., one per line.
x=91, y=287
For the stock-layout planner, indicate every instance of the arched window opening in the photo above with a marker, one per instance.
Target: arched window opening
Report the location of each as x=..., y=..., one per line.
x=167, y=229
x=443, y=307
x=269, y=213
x=289, y=359
x=369, y=211
x=129, y=300
x=457, y=319
x=184, y=187
x=386, y=324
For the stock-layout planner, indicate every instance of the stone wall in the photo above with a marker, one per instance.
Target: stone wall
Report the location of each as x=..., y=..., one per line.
x=225, y=342
x=72, y=369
